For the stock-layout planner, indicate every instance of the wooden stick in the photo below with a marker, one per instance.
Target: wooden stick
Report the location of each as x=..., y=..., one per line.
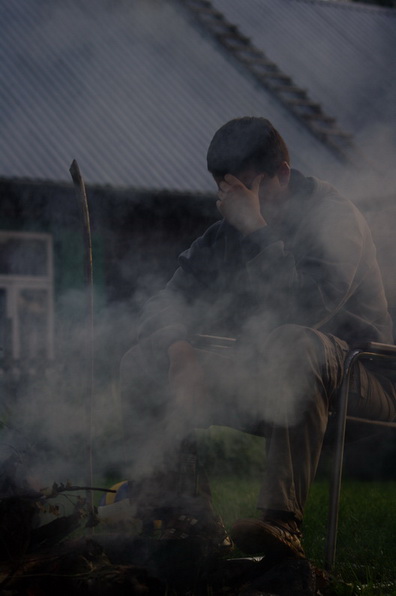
x=88, y=269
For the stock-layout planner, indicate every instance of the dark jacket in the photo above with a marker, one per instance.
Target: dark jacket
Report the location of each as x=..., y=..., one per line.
x=316, y=268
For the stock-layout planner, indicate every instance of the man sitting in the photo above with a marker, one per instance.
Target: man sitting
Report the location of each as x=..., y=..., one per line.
x=290, y=272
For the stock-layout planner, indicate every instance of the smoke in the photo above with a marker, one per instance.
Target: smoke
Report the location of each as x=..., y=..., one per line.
x=54, y=412
x=50, y=420
x=134, y=430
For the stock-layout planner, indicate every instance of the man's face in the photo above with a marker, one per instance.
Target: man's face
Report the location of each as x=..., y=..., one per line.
x=270, y=188
x=251, y=199
x=272, y=191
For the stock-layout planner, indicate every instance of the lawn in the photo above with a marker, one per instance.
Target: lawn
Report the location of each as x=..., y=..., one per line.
x=366, y=551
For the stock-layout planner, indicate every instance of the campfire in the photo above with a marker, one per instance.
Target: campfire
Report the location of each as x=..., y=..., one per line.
x=102, y=550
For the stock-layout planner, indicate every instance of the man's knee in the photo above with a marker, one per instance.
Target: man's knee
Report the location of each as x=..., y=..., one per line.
x=296, y=345
x=294, y=372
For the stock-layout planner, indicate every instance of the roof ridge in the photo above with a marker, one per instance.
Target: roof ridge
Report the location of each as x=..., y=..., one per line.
x=104, y=187
x=269, y=75
x=359, y=5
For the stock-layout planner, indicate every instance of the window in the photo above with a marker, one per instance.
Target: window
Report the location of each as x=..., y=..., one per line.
x=26, y=296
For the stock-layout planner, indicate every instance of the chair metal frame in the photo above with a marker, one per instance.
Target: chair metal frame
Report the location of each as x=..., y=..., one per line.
x=385, y=354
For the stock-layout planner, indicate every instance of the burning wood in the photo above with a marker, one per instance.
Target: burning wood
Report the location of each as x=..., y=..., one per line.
x=40, y=559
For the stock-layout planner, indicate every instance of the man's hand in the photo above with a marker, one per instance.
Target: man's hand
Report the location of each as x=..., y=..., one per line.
x=239, y=205
x=186, y=379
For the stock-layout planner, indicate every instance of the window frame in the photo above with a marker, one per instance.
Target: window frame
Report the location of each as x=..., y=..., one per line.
x=15, y=284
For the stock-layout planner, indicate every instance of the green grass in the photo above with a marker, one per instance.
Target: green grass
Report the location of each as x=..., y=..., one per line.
x=366, y=547
x=366, y=551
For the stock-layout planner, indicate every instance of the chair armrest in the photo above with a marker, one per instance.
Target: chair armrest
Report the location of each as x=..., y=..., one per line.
x=379, y=348
x=212, y=341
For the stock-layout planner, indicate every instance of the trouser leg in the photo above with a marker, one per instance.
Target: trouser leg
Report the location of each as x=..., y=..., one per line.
x=144, y=397
x=301, y=373
x=158, y=443
x=303, y=370
x=166, y=482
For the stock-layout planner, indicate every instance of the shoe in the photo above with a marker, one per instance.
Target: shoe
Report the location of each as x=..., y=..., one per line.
x=276, y=538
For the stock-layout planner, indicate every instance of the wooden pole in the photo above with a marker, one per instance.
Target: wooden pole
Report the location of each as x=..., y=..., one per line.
x=89, y=335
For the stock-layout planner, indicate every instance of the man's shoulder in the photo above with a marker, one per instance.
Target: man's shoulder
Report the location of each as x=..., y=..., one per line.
x=312, y=193
x=320, y=189
x=324, y=213
x=326, y=197
x=216, y=233
x=204, y=244
x=215, y=229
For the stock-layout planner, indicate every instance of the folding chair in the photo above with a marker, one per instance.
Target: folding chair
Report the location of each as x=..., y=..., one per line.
x=385, y=356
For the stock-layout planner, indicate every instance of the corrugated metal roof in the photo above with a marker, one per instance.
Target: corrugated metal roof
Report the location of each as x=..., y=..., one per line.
x=343, y=53
x=272, y=78
x=130, y=88
x=134, y=91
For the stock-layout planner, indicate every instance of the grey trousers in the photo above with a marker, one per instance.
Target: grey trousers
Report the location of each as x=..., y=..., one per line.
x=282, y=389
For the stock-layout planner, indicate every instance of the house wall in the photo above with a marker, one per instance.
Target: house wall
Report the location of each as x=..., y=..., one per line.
x=136, y=237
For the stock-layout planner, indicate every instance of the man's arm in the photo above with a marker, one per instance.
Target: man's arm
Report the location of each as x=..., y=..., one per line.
x=175, y=312
x=186, y=382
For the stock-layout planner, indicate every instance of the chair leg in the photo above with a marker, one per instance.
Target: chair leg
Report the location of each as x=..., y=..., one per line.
x=336, y=472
